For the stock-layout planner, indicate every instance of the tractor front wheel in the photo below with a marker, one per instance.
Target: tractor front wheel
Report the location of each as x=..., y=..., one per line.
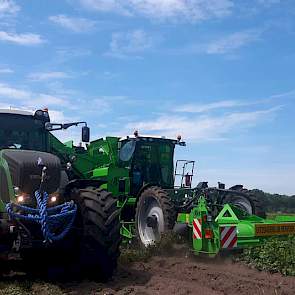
x=99, y=227
x=155, y=215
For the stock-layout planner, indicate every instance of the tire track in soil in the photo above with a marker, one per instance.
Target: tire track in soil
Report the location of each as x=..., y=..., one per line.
x=188, y=275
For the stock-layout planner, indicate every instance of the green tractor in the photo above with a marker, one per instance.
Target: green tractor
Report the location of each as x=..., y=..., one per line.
x=45, y=214
x=151, y=191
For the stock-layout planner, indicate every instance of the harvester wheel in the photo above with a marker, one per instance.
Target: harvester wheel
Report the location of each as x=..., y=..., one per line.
x=245, y=201
x=155, y=215
x=257, y=204
x=98, y=219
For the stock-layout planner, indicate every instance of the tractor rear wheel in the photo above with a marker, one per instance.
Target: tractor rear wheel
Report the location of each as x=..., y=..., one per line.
x=99, y=238
x=155, y=215
x=245, y=201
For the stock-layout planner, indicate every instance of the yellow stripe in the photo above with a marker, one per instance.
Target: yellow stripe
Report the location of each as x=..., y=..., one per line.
x=262, y=230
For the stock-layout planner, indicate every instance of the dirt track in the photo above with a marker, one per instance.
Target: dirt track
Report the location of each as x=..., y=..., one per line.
x=188, y=275
x=180, y=273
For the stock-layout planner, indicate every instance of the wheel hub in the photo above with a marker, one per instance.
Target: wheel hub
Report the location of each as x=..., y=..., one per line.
x=152, y=221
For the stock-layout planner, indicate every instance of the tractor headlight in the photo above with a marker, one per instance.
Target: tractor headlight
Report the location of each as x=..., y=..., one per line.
x=53, y=198
x=20, y=199
x=20, y=196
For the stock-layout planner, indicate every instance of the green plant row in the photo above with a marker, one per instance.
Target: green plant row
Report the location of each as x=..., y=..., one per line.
x=275, y=255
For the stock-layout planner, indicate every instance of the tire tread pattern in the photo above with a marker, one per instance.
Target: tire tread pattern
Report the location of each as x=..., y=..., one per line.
x=165, y=202
x=101, y=231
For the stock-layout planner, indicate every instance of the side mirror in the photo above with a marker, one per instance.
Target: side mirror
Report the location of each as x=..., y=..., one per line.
x=85, y=134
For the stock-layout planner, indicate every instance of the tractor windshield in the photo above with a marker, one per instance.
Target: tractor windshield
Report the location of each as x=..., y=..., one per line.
x=22, y=132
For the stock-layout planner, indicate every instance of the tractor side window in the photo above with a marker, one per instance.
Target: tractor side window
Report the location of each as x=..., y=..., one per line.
x=166, y=164
x=127, y=151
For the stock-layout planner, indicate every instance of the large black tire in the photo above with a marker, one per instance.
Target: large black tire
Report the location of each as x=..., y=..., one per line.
x=90, y=250
x=149, y=231
x=99, y=238
x=259, y=209
x=243, y=199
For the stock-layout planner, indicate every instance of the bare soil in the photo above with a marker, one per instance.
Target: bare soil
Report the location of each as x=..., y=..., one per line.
x=180, y=273
x=189, y=275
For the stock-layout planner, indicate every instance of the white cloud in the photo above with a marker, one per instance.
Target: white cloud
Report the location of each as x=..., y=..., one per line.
x=59, y=116
x=226, y=44
x=228, y=104
x=107, y=104
x=130, y=44
x=48, y=100
x=285, y=95
x=8, y=8
x=107, y=6
x=232, y=42
x=201, y=108
x=202, y=128
x=77, y=25
x=102, y=105
x=14, y=93
x=220, y=105
x=21, y=39
x=43, y=76
x=30, y=99
x=6, y=71
x=172, y=10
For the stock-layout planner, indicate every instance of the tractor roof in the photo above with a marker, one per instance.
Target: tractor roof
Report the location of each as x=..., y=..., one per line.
x=152, y=138
x=38, y=114
x=16, y=112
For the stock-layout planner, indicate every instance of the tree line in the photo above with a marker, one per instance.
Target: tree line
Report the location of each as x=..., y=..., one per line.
x=276, y=203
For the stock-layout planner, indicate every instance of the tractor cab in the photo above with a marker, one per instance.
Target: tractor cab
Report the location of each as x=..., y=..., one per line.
x=23, y=130
x=25, y=147
x=150, y=160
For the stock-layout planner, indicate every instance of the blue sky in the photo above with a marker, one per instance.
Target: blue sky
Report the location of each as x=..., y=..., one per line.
x=218, y=72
